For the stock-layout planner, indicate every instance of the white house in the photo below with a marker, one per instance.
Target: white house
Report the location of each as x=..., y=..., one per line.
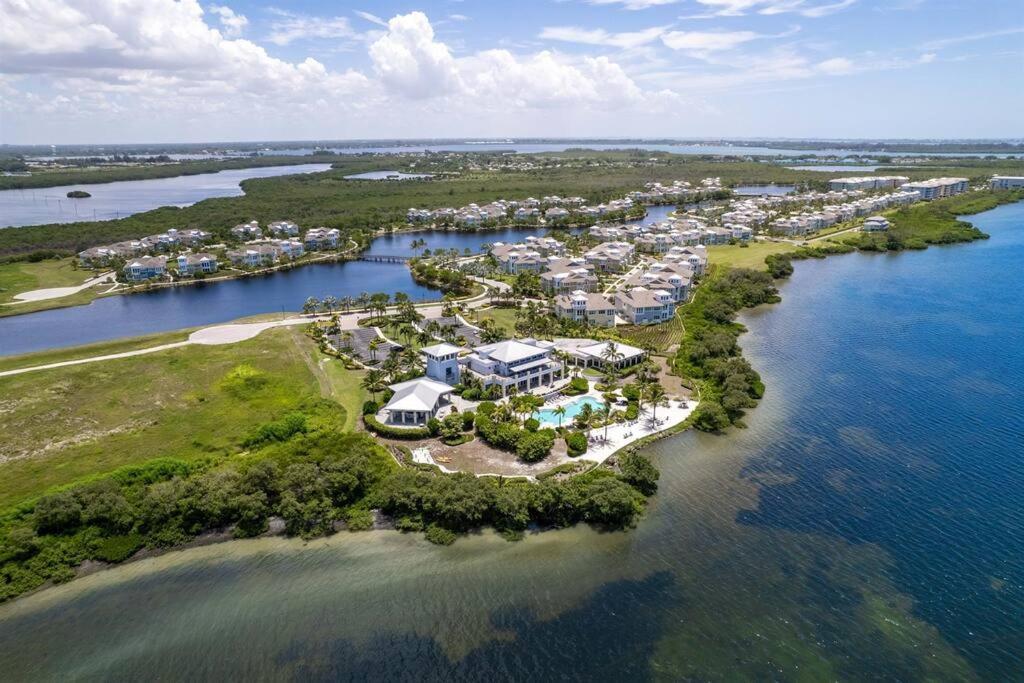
x=190, y=264
x=145, y=268
x=875, y=224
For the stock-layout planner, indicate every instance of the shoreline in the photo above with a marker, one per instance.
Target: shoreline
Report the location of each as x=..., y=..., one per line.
x=223, y=535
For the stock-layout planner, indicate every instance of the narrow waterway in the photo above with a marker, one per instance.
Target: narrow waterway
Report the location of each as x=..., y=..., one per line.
x=174, y=308
x=867, y=525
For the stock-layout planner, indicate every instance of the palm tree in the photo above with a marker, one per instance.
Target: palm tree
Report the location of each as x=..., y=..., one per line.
x=373, y=346
x=611, y=354
x=605, y=415
x=656, y=397
x=364, y=301
x=346, y=340
x=585, y=417
x=560, y=412
x=330, y=303
x=311, y=305
x=346, y=303
x=373, y=381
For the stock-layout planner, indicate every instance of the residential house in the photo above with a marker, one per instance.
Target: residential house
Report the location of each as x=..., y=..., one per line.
x=247, y=231
x=321, y=238
x=586, y=307
x=145, y=268
x=518, y=258
x=190, y=264
x=610, y=256
x=283, y=229
x=642, y=306
x=875, y=224
x=256, y=255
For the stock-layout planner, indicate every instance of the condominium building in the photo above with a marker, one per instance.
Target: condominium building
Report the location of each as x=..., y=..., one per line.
x=586, y=307
x=936, y=188
x=1006, y=182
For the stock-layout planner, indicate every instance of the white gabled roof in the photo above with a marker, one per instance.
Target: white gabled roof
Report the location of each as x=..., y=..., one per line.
x=421, y=394
x=508, y=351
x=442, y=349
x=597, y=350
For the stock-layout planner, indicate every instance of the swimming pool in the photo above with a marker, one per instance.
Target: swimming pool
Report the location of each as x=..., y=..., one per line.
x=572, y=409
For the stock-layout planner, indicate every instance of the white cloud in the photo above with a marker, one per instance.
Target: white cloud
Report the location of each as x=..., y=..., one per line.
x=372, y=18
x=232, y=23
x=733, y=8
x=626, y=40
x=458, y=17
x=701, y=42
x=634, y=4
x=971, y=37
x=289, y=27
x=836, y=66
x=408, y=59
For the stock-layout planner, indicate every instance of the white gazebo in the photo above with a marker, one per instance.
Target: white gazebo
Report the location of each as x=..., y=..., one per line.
x=416, y=401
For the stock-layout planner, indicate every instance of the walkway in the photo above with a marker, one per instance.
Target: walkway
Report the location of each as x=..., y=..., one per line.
x=58, y=292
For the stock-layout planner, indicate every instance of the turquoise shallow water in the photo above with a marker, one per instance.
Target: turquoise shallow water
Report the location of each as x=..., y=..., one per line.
x=868, y=525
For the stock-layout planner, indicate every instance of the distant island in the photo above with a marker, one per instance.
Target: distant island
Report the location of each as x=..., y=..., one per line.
x=78, y=194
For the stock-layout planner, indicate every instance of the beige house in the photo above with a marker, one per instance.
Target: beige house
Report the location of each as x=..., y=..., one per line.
x=586, y=307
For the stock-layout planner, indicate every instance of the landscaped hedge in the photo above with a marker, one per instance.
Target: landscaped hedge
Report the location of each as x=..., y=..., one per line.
x=411, y=434
x=577, y=386
x=576, y=443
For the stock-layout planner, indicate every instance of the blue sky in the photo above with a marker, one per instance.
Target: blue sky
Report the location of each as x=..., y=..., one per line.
x=168, y=70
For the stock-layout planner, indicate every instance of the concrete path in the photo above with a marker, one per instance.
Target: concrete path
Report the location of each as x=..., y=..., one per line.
x=57, y=292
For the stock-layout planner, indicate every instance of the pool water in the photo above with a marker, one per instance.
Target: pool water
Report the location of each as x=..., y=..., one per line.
x=572, y=409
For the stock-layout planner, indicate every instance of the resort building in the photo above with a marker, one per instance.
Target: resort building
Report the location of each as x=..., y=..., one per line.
x=442, y=362
x=416, y=401
x=511, y=363
x=936, y=188
x=642, y=306
x=592, y=354
x=875, y=224
x=674, y=278
x=586, y=307
x=1006, y=182
x=190, y=264
x=145, y=268
x=256, y=255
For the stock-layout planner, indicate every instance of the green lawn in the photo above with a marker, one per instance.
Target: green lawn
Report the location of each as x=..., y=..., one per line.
x=504, y=318
x=16, y=278
x=105, y=348
x=746, y=257
x=58, y=426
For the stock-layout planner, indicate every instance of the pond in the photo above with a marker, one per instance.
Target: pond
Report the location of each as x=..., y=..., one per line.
x=117, y=200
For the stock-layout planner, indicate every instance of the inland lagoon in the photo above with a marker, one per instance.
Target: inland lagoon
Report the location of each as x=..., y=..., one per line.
x=866, y=525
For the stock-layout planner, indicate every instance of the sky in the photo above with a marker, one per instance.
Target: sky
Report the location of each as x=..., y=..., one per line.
x=122, y=71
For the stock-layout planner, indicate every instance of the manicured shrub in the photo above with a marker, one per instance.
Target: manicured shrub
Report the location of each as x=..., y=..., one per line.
x=532, y=424
x=632, y=411
x=410, y=433
x=467, y=420
x=535, y=446
x=370, y=407
x=577, y=385
x=486, y=408
x=576, y=442
x=433, y=426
